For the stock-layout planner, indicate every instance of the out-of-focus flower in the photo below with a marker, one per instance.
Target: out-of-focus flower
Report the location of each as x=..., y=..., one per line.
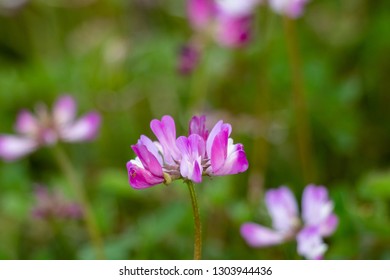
x=290, y=8
x=318, y=218
x=53, y=204
x=47, y=128
x=189, y=158
x=227, y=22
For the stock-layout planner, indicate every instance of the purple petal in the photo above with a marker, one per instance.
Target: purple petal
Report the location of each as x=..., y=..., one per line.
x=198, y=126
x=200, y=12
x=329, y=225
x=14, y=147
x=192, y=149
x=216, y=129
x=310, y=243
x=236, y=161
x=237, y=8
x=258, y=236
x=165, y=132
x=283, y=209
x=139, y=177
x=148, y=160
x=316, y=206
x=84, y=129
x=152, y=147
x=26, y=123
x=233, y=31
x=219, y=150
x=64, y=110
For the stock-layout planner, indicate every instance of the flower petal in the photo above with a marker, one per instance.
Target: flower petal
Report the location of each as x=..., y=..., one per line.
x=148, y=160
x=14, y=147
x=64, y=110
x=198, y=126
x=165, y=132
x=291, y=8
x=316, y=206
x=233, y=32
x=188, y=58
x=283, y=209
x=237, y=8
x=26, y=123
x=139, y=177
x=329, y=225
x=200, y=12
x=219, y=150
x=310, y=243
x=84, y=129
x=258, y=236
x=192, y=149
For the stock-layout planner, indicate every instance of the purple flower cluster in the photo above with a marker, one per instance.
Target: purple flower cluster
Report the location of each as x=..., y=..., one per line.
x=47, y=128
x=187, y=157
x=318, y=218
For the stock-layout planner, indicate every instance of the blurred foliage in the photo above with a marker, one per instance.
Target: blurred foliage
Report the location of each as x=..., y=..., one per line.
x=120, y=58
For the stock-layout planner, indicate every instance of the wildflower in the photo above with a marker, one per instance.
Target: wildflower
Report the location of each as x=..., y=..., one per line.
x=318, y=219
x=190, y=158
x=290, y=8
x=47, y=128
x=54, y=205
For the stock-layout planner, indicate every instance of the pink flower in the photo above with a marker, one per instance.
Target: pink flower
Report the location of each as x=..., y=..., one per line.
x=318, y=221
x=188, y=158
x=47, y=128
x=290, y=8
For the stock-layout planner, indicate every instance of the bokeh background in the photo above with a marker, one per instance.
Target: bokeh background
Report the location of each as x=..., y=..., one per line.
x=120, y=58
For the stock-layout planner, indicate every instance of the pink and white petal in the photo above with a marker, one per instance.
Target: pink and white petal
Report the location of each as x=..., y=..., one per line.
x=219, y=150
x=14, y=147
x=290, y=8
x=84, y=129
x=140, y=178
x=165, y=131
x=329, y=225
x=283, y=209
x=26, y=123
x=237, y=8
x=198, y=126
x=148, y=160
x=258, y=236
x=310, y=243
x=233, y=32
x=316, y=206
x=218, y=127
x=64, y=110
x=152, y=147
x=235, y=163
x=200, y=12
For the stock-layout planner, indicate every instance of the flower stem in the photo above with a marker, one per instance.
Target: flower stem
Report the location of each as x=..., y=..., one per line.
x=198, y=230
x=74, y=180
x=299, y=102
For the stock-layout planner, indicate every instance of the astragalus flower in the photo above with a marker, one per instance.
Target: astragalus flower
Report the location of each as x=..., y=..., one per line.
x=187, y=157
x=290, y=8
x=46, y=128
x=318, y=221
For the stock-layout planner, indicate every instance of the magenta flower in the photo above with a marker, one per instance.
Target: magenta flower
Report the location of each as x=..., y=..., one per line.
x=290, y=8
x=47, y=128
x=53, y=204
x=318, y=218
x=189, y=158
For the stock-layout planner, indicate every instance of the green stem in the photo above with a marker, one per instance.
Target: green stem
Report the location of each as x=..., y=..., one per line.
x=198, y=230
x=89, y=219
x=299, y=102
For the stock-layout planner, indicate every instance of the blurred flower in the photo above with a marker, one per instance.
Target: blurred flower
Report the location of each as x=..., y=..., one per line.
x=228, y=22
x=51, y=205
x=46, y=128
x=318, y=221
x=290, y=8
x=189, y=158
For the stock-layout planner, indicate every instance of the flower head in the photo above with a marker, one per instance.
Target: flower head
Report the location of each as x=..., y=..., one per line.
x=47, y=128
x=318, y=221
x=184, y=157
